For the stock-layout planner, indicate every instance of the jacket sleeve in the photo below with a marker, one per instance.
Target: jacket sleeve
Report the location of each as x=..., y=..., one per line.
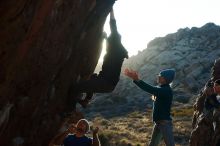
x=148, y=88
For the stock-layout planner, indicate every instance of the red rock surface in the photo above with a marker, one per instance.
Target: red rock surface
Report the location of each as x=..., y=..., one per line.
x=45, y=45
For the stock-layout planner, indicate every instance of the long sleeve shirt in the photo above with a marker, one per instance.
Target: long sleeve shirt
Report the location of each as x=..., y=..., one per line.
x=163, y=101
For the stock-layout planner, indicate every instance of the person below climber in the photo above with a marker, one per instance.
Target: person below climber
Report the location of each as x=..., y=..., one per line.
x=109, y=76
x=162, y=96
x=76, y=135
x=213, y=101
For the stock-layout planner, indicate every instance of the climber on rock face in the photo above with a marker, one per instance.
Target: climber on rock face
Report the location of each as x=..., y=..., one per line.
x=109, y=76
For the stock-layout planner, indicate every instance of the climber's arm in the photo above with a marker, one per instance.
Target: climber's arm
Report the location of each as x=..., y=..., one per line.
x=112, y=16
x=113, y=25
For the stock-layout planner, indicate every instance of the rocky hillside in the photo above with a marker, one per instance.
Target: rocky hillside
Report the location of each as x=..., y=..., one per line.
x=190, y=51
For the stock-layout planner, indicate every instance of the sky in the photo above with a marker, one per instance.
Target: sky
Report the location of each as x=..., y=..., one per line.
x=140, y=21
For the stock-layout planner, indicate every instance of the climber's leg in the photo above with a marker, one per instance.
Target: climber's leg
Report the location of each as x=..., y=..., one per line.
x=94, y=85
x=98, y=85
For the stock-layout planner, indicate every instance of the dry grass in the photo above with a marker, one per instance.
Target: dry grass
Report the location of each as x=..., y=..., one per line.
x=182, y=112
x=135, y=128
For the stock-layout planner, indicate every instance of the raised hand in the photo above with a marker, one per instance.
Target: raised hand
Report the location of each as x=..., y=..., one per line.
x=95, y=131
x=71, y=129
x=131, y=74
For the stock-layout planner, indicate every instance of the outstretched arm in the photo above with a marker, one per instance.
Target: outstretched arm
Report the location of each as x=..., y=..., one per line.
x=141, y=84
x=113, y=25
x=148, y=88
x=112, y=16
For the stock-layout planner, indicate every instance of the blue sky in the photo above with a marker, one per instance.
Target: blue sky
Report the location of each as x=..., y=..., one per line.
x=140, y=21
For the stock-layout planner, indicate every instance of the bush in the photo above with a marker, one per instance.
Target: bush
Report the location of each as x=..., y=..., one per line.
x=188, y=112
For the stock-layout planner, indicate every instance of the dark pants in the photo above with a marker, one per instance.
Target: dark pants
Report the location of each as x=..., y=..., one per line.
x=93, y=85
x=107, y=78
x=96, y=85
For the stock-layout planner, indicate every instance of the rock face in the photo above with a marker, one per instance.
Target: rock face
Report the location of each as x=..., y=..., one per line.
x=206, y=124
x=45, y=45
x=190, y=51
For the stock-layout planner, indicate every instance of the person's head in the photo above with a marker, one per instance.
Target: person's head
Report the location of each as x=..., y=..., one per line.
x=82, y=127
x=217, y=86
x=166, y=76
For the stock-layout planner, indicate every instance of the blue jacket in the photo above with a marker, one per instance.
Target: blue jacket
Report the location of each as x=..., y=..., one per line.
x=72, y=140
x=163, y=102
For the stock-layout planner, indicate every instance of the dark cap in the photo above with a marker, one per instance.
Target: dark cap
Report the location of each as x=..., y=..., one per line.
x=168, y=74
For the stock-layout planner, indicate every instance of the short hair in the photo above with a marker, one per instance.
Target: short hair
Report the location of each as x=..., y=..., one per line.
x=217, y=81
x=86, y=123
